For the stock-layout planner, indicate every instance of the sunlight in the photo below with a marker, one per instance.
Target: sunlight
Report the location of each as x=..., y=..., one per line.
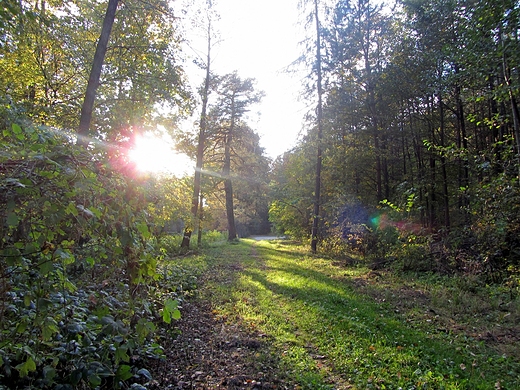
x=155, y=154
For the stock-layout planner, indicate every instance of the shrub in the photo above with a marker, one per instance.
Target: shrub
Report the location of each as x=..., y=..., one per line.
x=77, y=267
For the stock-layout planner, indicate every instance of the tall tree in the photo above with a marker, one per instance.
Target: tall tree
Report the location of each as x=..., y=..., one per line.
x=319, y=136
x=95, y=74
x=201, y=138
x=234, y=98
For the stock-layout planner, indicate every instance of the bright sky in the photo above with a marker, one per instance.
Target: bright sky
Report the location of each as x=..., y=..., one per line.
x=259, y=39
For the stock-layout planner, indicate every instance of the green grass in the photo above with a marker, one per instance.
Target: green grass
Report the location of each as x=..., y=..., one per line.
x=330, y=334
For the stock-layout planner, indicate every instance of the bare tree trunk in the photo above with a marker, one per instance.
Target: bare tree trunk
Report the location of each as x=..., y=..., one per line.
x=200, y=152
x=514, y=105
x=228, y=186
x=95, y=74
x=199, y=220
x=446, y=197
x=317, y=189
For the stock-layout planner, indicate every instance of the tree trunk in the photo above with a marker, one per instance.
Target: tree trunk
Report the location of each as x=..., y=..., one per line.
x=228, y=187
x=199, y=220
x=514, y=105
x=95, y=74
x=200, y=153
x=446, y=197
x=319, y=158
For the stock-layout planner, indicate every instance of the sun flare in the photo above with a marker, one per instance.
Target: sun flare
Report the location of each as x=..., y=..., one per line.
x=155, y=154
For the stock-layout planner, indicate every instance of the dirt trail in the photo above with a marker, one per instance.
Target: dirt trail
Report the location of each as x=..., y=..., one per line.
x=212, y=353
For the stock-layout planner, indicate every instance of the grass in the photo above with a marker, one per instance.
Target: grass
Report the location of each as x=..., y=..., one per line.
x=334, y=327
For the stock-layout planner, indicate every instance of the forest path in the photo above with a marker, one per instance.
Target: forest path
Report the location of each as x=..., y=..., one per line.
x=212, y=351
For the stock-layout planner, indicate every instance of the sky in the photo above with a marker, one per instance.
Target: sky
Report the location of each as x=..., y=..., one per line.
x=259, y=39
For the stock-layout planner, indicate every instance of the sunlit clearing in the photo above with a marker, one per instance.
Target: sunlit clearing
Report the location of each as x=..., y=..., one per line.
x=155, y=154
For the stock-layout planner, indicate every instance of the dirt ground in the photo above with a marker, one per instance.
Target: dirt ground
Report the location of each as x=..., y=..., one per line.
x=212, y=353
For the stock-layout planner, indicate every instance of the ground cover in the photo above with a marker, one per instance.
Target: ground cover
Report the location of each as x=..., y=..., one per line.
x=273, y=316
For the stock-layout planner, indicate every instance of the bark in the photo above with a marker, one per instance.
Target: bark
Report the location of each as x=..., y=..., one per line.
x=319, y=158
x=95, y=74
x=200, y=154
x=445, y=192
x=514, y=104
x=228, y=186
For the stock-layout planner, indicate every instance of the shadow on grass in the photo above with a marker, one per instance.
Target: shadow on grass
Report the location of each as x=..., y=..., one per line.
x=356, y=339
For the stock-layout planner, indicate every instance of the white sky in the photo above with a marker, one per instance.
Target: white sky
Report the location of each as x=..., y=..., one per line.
x=259, y=39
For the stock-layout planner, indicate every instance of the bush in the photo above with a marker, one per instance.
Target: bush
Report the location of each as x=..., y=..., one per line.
x=170, y=245
x=77, y=268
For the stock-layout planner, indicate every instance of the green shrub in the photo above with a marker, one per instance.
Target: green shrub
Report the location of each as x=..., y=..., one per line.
x=170, y=245
x=77, y=267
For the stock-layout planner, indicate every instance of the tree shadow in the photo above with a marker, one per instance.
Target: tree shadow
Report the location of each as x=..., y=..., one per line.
x=350, y=328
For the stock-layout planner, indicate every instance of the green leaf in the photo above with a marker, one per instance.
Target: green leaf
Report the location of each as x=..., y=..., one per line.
x=94, y=379
x=12, y=219
x=12, y=256
x=25, y=368
x=16, y=128
x=122, y=355
x=49, y=373
x=124, y=372
x=17, y=131
x=44, y=303
x=50, y=327
x=166, y=316
x=71, y=209
x=21, y=327
x=65, y=255
x=95, y=211
x=143, y=229
x=75, y=376
x=170, y=310
x=46, y=267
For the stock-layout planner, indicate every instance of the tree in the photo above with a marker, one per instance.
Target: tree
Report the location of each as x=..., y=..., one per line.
x=319, y=124
x=201, y=138
x=234, y=97
x=95, y=74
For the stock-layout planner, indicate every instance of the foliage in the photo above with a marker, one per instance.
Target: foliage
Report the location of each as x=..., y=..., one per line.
x=421, y=118
x=47, y=52
x=77, y=266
